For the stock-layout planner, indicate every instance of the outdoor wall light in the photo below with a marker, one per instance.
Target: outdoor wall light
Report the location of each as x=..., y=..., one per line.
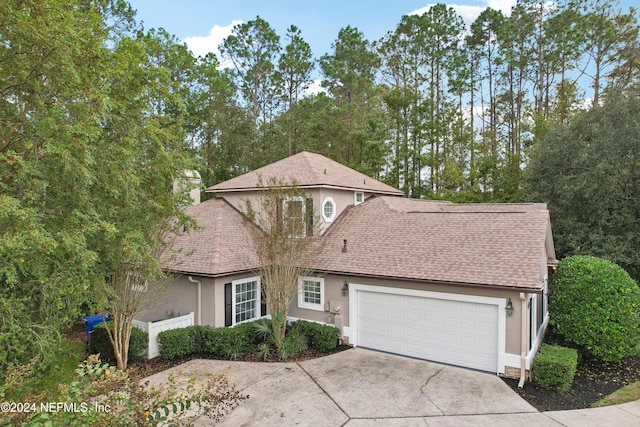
x=509, y=308
x=345, y=289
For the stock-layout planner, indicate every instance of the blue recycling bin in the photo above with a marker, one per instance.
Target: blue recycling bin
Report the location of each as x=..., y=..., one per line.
x=91, y=321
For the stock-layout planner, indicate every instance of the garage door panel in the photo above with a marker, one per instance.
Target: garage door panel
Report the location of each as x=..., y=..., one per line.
x=443, y=330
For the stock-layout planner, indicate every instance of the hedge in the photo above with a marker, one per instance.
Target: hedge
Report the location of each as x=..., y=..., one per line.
x=555, y=366
x=232, y=343
x=100, y=343
x=595, y=305
x=225, y=343
x=323, y=338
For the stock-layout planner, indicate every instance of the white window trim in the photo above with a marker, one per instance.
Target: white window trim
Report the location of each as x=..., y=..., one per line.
x=335, y=208
x=355, y=197
x=233, y=298
x=301, y=301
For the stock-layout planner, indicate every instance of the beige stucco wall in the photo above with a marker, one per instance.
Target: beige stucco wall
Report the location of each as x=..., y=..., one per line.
x=180, y=296
x=343, y=198
x=333, y=291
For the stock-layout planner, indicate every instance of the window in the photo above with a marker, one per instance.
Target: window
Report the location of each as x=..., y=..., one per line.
x=246, y=299
x=293, y=216
x=311, y=293
x=358, y=197
x=328, y=209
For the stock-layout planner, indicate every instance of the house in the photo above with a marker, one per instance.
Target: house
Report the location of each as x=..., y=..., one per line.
x=462, y=284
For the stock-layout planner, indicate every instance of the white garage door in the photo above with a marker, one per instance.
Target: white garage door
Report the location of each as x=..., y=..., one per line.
x=452, y=331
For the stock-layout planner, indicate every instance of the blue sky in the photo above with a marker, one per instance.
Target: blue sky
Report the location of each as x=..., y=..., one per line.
x=204, y=24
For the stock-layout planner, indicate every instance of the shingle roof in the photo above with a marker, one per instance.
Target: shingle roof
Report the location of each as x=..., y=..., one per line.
x=222, y=245
x=307, y=170
x=497, y=245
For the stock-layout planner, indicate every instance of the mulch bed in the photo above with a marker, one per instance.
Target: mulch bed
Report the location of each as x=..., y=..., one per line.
x=143, y=368
x=594, y=380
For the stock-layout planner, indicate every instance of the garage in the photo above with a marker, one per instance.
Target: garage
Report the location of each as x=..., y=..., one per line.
x=461, y=330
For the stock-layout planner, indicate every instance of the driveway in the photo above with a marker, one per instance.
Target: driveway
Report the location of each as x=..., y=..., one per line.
x=358, y=387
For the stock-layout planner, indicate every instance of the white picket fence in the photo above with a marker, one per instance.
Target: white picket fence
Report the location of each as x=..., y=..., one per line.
x=154, y=328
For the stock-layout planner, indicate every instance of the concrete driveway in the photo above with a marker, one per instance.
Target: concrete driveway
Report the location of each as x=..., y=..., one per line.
x=361, y=387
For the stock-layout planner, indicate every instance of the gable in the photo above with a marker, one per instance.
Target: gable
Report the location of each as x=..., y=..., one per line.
x=306, y=170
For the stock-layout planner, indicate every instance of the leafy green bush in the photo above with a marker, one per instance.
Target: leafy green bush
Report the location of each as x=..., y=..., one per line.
x=595, y=305
x=555, y=366
x=228, y=343
x=100, y=344
x=321, y=337
x=176, y=343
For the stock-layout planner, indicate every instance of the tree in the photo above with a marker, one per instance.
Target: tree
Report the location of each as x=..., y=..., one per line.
x=284, y=232
x=53, y=59
x=587, y=172
x=595, y=305
x=294, y=71
x=147, y=154
x=252, y=48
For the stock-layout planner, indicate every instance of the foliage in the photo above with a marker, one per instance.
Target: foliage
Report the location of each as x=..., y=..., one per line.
x=294, y=341
x=37, y=381
x=555, y=366
x=284, y=230
x=321, y=337
x=105, y=396
x=594, y=304
x=100, y=343
x=222, y=343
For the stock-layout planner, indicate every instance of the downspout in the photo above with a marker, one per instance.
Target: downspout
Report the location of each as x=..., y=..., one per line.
x=523, y=342
x=199, y=299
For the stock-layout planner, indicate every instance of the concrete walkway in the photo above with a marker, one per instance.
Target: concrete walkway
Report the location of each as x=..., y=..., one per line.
x=360, y=387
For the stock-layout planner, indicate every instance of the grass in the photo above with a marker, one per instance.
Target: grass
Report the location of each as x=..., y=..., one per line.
x=43, y=384
x=626, y=394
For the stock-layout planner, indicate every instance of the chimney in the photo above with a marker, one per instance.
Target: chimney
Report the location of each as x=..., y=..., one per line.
x=191, y=183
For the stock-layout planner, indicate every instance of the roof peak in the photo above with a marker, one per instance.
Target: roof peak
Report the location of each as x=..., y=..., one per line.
x=307, y=170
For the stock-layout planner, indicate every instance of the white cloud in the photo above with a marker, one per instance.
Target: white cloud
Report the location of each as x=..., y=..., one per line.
x=200, y=46
x=470, y=13
x=315, y=87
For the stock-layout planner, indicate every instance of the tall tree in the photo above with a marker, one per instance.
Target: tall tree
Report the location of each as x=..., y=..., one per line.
x=294, y=70
x=349, y=76
x=252, y=49
x=587, y=173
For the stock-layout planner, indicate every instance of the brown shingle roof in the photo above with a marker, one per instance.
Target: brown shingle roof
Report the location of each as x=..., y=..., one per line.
x=222, y=245
x=307, y=170
x=498, y=245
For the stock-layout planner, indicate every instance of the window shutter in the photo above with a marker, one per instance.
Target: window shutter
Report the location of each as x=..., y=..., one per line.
x=309, y=213
x=263, y=303
x=228, y=301
x=279, y=203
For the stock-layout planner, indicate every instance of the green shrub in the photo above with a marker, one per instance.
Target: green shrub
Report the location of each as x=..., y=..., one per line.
x=177, y=343
x=227, y=343
x=323, y=338
x=100, y=344
x=555, y=366
x=595, y=305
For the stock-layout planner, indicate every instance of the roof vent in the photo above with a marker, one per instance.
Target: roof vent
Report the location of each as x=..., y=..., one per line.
x=325, y=171
x=345, y=249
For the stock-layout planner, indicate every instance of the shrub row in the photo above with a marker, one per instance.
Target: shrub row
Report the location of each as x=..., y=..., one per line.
x=321, y=337
x=555, y=366
x=100, y=343
x=228, y=343
x=232, y=343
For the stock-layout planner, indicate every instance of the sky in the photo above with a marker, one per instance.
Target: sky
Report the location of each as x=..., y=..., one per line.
x=204, y=24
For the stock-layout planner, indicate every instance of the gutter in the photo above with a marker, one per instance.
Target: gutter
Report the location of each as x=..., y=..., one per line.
x=198, y=298
x=523, y=343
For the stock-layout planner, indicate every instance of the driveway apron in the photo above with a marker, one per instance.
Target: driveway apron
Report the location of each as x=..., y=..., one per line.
x=357, y=387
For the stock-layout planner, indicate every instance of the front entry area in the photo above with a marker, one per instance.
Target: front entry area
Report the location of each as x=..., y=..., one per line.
x=461, y=330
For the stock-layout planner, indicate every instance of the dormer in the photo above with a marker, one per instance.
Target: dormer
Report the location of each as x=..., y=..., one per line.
x=331, y=186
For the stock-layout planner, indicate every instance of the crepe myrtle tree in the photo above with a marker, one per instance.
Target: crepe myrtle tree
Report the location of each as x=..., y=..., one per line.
x=284, y=236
